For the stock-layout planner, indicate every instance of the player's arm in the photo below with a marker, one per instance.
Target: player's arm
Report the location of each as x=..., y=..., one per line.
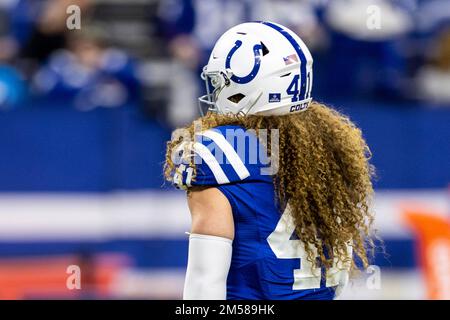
x=210, y=245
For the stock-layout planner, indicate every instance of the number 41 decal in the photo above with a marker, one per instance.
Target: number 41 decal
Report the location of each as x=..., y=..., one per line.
x=178, y=176
x=293, y=88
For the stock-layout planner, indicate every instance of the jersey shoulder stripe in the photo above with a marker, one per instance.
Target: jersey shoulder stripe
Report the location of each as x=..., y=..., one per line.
x=229, y=152
x=205, y=154
x=221, y=155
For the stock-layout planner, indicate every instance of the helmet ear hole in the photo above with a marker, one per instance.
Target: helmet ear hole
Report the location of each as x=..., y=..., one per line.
x=235, y=98
x=264, y=49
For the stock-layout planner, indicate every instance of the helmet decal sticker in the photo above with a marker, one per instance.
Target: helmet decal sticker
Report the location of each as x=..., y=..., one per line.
x=299, y=52
x=254, y=72
x=290, y=59
x=274, y=97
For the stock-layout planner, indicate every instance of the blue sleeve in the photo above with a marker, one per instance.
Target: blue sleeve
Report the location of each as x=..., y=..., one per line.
x=223, y=155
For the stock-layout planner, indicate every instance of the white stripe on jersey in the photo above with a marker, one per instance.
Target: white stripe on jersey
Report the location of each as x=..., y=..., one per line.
x=229, y=152
x=212, y=163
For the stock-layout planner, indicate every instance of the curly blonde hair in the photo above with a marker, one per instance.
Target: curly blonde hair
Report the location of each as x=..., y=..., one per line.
x=324, y=173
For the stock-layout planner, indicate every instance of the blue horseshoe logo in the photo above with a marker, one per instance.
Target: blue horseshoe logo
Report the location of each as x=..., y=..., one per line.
x=254, y=72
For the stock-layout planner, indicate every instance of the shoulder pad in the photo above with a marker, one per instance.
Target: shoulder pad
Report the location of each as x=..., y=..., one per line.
x=222, y=155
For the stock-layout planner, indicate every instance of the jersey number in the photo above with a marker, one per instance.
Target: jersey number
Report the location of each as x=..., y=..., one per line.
x=178, y=176
x=307, y=276
x=294, y=87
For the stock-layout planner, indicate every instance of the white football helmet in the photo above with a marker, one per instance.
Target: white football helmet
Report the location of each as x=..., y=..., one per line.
x=258, y=68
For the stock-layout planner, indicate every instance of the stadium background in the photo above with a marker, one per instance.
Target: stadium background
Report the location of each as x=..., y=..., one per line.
x=84, y=116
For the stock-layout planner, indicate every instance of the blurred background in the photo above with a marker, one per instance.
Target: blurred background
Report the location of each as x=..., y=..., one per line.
x=85, y=114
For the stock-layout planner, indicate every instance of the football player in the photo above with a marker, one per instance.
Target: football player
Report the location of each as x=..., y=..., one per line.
x=278, y=185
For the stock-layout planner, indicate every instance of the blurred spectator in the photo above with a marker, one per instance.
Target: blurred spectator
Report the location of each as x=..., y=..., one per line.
x=433, y=77
x=12, y=84
x=301, y=16
x=12, y=87
x=369, y=20
x=41, y=25
x=8, y=45
x=371, y=54
x=88, y=72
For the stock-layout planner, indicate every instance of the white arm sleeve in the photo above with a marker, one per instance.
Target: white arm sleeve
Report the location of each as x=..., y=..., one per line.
x=207, y=270
x=343, y=281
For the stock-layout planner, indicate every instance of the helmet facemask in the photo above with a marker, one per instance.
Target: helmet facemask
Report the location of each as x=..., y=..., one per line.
x=215, y=80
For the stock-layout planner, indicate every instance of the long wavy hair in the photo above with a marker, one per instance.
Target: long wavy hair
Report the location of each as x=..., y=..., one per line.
x=324, y=174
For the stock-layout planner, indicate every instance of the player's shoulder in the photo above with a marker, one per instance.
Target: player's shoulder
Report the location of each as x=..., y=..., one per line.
x=222, y=155
x=228, y=133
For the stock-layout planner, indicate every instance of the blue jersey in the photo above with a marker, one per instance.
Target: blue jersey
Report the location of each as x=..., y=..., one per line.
x=268, y=260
